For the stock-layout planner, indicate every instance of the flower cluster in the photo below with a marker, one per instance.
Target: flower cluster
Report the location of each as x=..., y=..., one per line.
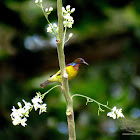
x=53, y=29
x=48, y=11
x=37, y=1
x=115, y=113
x=68, y=19
x=37, y=103
x=19, y=116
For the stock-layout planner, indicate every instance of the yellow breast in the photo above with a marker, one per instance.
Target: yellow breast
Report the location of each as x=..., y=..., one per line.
x=71, y=71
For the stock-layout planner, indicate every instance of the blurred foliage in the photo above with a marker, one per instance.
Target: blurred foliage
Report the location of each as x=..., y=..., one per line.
x=106, y=35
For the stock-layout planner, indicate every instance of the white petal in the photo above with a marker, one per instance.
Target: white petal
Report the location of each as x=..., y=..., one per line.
x=68, y=7
x=72, y=10
x=70, y=35
x=114, y=108
x=50, y=9
x=36, y=1
x=19, y=104
x=23, y=122
x=43, y=108
x=46, y=10
x=63, y=10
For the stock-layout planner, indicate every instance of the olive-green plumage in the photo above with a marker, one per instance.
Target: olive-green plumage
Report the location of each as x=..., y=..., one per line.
x=72, y=70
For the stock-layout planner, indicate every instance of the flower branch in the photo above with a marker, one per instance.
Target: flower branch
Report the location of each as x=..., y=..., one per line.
x=19, y=116
x=52, y=28
x=115, y=113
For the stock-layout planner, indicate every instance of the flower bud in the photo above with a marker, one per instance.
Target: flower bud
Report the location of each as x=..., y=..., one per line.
x=50, y=9
x=19, y=104
x=36, y=1
x=72, y=10
x=70, y=35
x=68, y=7
x=46, y=10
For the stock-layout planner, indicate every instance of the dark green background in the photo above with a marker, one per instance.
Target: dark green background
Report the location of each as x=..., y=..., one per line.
x=106, y=35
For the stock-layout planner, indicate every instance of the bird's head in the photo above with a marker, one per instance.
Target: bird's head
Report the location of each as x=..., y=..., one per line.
x=80, y=61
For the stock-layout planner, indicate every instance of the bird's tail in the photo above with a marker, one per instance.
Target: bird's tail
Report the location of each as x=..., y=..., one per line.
x=44, y=84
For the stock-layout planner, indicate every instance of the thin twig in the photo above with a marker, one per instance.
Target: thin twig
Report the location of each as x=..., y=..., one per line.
x=50, y=90
x=91, y=100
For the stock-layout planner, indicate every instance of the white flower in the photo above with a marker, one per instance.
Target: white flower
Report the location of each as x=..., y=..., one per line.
x=70, y=35
x=14, y=113
x=19, y=120
x=26, y=108
x=23, y=121
x=27, y=105
x=69, y=24
x=68, y=19
x=52, y=28
x=36, y=1
x=114, y=109
x=63, y=10
x=50, y=9
x=19, y=104
x=49, y=29
x=42, y=108
x=55, y=25
x=72, y=10
x=17, y=112
x=67, y=16
x=16, y=121
x=36, y=101
x=36, y=106
x=115, y=113
x=17, y=116
x=46, y=10
x=119, y=113
x=112, y=115
x=68, y=7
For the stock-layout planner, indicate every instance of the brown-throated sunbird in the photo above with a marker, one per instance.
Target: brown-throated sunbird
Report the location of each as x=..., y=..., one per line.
x=71, y=69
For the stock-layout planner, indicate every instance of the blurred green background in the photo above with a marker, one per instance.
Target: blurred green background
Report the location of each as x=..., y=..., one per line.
x=106, y=35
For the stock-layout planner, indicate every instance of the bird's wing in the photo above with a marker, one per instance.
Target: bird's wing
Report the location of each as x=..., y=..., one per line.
x=58, y=73
x=56, y=77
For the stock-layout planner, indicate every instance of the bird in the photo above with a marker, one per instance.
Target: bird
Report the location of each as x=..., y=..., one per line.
x=71, y=69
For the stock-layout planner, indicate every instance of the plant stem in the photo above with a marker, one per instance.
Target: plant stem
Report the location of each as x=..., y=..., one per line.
x=65, y=85
x=91, y=100
x=43, y=95
x=64, y=37
x=46, y=16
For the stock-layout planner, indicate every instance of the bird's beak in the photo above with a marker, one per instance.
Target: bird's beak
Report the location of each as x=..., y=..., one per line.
x=85, y=63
